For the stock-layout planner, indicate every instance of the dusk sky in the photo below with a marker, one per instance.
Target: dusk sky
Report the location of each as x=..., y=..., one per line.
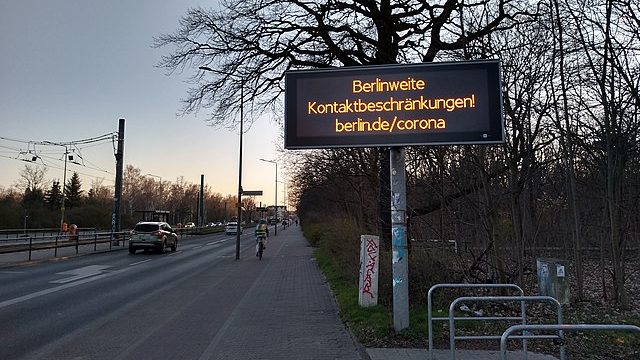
x=72, y=68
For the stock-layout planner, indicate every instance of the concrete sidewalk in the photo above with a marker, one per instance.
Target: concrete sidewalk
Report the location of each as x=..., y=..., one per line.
x=288, y=313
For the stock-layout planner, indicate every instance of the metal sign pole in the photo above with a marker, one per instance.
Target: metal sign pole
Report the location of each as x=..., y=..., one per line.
x=399, y=239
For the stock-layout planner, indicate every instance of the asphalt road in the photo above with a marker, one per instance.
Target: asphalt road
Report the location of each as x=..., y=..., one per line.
x=119, y=306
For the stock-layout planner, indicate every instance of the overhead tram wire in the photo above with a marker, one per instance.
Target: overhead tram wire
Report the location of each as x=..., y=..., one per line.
x=32, y=150
x=51, y=166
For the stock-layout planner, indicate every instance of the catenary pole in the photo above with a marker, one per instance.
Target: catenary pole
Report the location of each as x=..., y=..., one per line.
x=115, y=216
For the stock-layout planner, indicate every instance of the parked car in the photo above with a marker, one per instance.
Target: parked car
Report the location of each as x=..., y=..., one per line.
x=273, y=221
x=189, y=225
x=232, y=228
x=152, y=235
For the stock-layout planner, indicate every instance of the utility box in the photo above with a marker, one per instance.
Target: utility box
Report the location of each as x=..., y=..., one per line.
x=553, y=279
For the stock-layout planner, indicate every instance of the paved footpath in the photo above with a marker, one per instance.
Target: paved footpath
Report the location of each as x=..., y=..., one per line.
x=289, y=312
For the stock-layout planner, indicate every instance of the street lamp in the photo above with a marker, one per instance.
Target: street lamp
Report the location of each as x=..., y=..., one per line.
x=275, y=233
x=239, y=205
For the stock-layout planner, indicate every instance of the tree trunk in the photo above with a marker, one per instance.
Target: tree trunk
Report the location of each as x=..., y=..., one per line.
x=489, y=218
x=614, y=198
x=516, y=218
x=569, y=154
x=384, y=198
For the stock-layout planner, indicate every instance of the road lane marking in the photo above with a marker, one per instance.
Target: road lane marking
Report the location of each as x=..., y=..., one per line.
x=139, y=262
x=217, y=242
x=52, y=290
x=81, y=273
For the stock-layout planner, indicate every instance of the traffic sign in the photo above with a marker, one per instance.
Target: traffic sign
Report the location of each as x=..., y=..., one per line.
x=252, y=192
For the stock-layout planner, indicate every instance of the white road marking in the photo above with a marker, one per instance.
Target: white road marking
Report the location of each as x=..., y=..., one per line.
x=81, y=273
x=139, y=262
x=59, y=288
x=217, y=242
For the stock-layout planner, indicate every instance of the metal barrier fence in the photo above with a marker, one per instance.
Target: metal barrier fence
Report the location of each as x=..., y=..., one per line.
x=521, y=299
x=23, y=235
x=560, y=328
x=60, y=241
x=37, y=241
x=430, y=317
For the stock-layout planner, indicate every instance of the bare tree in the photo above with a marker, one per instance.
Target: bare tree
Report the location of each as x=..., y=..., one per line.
x=609, y=102
x=32, y=178
x=250, y=44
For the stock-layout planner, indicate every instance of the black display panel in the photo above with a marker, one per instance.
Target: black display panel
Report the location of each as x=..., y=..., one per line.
x=394, y=105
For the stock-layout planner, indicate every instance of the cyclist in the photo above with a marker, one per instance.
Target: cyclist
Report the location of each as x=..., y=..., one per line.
x=262, y=231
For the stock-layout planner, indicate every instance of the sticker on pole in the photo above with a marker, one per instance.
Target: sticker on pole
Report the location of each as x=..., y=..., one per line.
x=369, y=263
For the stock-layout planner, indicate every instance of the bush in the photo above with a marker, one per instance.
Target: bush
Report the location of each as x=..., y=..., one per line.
x=339, y=241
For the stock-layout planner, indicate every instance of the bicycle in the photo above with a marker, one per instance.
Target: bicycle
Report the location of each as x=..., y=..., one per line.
x=260, y=246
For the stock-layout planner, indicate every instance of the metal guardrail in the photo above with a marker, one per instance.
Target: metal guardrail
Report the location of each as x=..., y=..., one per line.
x=36, y=240
x=430, y=317
x=521, y=299
x=60, y=241
x=23, y=235
x=560, y=328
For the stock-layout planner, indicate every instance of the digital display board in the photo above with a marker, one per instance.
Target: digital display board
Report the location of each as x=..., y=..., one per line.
x=394, y=105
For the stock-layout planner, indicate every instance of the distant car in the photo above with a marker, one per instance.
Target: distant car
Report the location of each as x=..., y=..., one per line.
x=189, y=225
x=152, y=235
x=273, y=221
x=232, y=228
x=285, y=222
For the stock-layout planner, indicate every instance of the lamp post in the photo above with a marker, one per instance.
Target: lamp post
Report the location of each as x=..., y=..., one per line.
x=239, y=205
x=276, y=206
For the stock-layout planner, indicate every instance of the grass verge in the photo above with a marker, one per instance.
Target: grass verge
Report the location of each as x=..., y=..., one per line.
x=373, y=326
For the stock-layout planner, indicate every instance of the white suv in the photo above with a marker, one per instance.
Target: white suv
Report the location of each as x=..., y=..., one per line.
x=152, y=235
x=232, y=228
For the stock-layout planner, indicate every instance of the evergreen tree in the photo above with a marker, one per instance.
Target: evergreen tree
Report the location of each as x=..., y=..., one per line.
x=73, y=191
x=53, y=196
x=32, y=197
